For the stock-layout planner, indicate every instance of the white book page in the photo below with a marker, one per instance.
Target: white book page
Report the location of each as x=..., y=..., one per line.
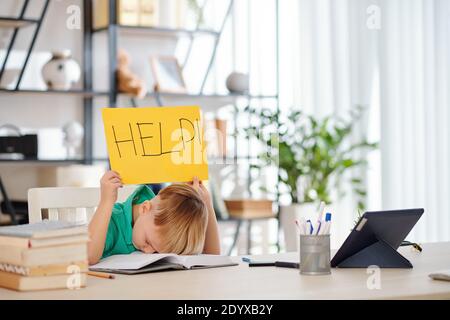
x=204, y=260
x=135, y=260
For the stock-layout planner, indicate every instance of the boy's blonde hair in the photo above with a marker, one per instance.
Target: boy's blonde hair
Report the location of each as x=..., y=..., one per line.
x=182, y=219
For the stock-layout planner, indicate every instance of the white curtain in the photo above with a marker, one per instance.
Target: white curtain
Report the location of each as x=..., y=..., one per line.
x=327, y=63
x=414, y=113
x=391, y=56
x=328, y=67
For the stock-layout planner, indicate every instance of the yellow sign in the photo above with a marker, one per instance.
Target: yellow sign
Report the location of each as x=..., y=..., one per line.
x=156, y=144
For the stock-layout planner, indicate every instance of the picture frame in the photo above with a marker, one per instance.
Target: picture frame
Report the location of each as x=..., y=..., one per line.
x=167, y=74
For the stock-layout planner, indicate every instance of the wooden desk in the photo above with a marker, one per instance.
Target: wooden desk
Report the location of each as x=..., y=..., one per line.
x=242, y=282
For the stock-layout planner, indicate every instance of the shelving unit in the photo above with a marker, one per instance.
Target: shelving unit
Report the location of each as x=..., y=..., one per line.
x=113, y=30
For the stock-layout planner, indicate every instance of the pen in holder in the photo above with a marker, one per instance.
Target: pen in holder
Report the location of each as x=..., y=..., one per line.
x=315, y=254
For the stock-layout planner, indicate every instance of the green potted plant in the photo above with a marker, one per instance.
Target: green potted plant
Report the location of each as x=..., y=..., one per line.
x=313, y=155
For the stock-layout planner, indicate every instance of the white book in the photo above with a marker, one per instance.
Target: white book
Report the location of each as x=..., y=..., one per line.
x=43, y=256
x=43, y=230
x=139, y=262
x=23, y=283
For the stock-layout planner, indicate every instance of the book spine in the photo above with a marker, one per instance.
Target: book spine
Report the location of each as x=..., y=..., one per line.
x=6, y=267
x=11, y=254
x=48, y=255
x=44, y=270
x=15, y=241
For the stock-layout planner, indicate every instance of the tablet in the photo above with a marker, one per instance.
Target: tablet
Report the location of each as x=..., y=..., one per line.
x=375, y=239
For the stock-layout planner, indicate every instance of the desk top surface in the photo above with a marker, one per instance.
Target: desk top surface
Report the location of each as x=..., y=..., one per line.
x=243, y=282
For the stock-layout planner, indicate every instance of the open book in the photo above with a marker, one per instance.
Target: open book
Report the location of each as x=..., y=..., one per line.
x=139, y=262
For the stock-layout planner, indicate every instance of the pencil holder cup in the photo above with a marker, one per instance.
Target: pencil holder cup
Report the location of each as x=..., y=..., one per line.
x=315, y=254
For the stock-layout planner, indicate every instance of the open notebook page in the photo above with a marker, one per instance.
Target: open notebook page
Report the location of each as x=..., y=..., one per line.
x=202, y=260
x=137, y=260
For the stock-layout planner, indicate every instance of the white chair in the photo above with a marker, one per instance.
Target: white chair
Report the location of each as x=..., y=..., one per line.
x=67, y=203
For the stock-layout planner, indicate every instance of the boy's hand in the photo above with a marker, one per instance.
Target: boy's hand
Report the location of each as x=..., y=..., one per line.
x=200, y=187
x=109, y=184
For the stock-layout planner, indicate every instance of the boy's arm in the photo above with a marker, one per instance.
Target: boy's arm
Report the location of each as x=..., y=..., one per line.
x=212, y=239
x=98, y=226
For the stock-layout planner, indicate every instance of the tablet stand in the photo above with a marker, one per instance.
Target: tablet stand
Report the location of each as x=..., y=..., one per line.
x=378, y=254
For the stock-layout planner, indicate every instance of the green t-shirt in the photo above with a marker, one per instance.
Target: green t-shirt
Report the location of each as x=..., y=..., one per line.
x=120, y=228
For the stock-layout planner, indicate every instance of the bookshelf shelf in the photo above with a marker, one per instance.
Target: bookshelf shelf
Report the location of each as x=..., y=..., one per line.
x=160, y=31
x=79, y=92
x=52, y=161
x=6, y=22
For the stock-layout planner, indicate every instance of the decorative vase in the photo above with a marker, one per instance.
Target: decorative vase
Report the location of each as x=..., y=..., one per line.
x=167, y=13
x=237, y=82
x=288, y=215
x=73, y=137
x=221, y=131
x=61, y=71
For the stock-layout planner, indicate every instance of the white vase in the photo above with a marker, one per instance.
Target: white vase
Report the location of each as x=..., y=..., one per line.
x=237, y=82
x=61, y=71
x=73, y=137
x=167, y=13
x=288, y=215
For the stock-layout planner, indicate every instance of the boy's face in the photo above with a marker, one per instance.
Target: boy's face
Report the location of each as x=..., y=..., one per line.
x=146, y=236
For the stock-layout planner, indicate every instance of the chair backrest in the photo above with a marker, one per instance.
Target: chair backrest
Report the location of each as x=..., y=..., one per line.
x=67, y=203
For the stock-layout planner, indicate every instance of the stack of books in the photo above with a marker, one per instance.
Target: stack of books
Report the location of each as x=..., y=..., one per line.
x=250, y=208
x=43, y=255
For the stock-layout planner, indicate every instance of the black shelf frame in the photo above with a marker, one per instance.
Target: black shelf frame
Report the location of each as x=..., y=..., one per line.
x=21, y=19
x=113, y=28
x=87, y=82
x=87, y=93
x=16, y=24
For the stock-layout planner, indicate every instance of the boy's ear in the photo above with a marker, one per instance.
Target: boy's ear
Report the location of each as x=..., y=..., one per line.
x=146, y=206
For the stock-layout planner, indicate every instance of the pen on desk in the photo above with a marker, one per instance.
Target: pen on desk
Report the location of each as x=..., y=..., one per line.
x=101, y=275
x=282, y=264
x=261, y=264
x=258, y=263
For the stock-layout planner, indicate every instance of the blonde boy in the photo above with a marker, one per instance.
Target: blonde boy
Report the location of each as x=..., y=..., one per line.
x=180, y=219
